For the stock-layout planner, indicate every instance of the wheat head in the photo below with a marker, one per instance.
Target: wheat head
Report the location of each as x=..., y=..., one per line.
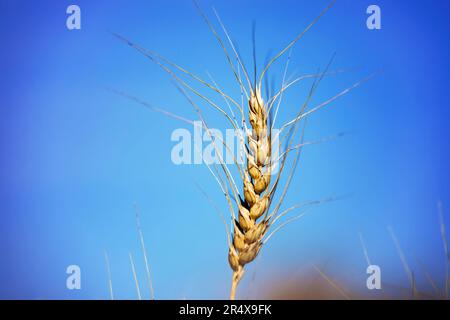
x=249, y=229
x=252, y=221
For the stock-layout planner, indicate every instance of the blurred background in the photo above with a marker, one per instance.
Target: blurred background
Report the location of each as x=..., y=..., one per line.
x=76, y=157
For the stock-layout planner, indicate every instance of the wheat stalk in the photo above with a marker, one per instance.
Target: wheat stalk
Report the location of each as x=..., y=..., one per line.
x=249, y=208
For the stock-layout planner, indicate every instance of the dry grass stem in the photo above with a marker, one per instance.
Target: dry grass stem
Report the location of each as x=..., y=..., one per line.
x=144, y=253
x=445, y=243
x=136, y=281
x=405, y=264
x=332, y=283
x=108, y=271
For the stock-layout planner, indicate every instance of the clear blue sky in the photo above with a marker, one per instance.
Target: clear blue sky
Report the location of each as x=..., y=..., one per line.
x=76, y=157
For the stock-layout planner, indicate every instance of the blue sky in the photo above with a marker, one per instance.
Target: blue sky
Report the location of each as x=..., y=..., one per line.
x=77, y=157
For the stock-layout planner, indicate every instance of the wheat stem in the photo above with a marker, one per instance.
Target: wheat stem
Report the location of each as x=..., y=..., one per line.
x=236, y=278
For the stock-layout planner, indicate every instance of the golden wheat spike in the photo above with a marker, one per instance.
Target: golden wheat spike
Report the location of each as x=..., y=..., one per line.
x=251, y=220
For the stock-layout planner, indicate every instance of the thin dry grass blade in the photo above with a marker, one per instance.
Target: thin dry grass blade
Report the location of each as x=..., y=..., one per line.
x=332, y=283
x=363, y=246
x=108, y=271
x=430, y=280
x=136, y=281
x=445, y=243
x=144, y=252
x=403, y=259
